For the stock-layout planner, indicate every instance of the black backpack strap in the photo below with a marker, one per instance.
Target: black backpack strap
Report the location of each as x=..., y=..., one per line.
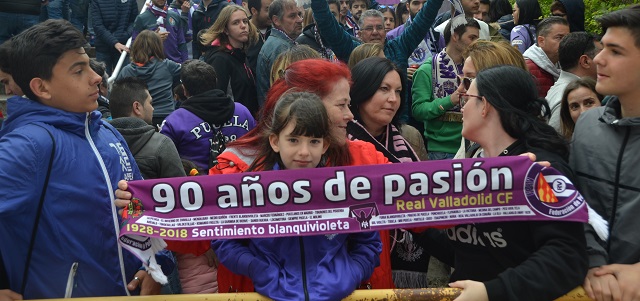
x=218, y=145
x=38, y=213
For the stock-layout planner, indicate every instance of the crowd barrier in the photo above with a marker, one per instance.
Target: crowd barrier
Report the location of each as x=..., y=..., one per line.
x=124, y=54
x=425, y=294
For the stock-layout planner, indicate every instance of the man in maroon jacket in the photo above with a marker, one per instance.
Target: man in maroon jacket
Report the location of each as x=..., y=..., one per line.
x=542, y=58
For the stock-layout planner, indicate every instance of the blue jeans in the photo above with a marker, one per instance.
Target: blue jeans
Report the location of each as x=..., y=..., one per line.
x=12, y=24
x=79, y=13
x=75, y=11
x=110, y=57
x=440, y=156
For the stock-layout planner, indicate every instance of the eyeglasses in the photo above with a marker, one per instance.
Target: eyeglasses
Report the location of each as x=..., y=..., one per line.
x=561, y=15
x=464, y=98
x=465, y=81
x=372, y=28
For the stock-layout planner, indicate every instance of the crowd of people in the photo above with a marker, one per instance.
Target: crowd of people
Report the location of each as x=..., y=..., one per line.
x=216, y=87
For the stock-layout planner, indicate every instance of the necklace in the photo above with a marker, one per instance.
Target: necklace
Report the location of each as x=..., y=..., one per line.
x=286, y=35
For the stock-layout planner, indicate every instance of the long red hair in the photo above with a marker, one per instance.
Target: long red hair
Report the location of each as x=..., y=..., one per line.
x=316, y=76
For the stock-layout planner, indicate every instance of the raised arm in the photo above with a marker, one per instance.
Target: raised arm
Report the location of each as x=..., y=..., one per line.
x=337, y=38
x=412, y=35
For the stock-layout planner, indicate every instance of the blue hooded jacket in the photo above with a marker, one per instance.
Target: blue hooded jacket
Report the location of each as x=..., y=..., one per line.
x=318, y=267
x=76, y=251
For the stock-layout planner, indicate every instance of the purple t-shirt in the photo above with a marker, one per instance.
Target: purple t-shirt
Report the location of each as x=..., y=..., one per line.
x=192, y=135
x=523, y=36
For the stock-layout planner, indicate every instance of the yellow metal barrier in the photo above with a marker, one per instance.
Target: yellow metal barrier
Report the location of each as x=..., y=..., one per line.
x=426, y=294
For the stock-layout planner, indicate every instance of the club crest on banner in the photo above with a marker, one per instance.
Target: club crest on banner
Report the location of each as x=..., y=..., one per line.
x=552, y=194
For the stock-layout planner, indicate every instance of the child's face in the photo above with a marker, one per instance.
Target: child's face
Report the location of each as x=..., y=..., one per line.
x=297, y=151
x=73, y=86
x=618, y=64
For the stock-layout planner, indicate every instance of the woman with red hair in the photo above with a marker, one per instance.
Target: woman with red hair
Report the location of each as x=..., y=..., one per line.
x=331, y=81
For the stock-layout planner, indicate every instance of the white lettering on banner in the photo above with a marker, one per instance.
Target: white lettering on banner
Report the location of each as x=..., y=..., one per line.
x=277, y=192
x=446, y=182
x=191, y=196
x=253, y=193
x=273, y=229
x=254, y=218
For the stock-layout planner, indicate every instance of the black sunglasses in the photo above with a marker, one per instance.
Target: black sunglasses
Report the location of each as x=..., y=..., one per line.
x=465, y=81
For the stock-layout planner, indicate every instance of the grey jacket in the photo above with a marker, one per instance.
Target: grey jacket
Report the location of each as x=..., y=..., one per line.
x=155, y=154
x=604, y=157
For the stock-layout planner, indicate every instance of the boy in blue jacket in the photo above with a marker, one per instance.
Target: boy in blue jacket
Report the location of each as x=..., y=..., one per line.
x=59, y=166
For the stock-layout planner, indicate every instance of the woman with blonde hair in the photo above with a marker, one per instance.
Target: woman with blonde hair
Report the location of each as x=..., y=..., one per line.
x=481, y=55
x=227, y=42
x=364, y=51
x=149, y=64
x=292, y=55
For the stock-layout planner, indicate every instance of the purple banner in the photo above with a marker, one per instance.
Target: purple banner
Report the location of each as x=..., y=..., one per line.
x=350, y=199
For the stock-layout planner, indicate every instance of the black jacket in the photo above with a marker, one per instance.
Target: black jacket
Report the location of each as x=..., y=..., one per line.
x=112, y=21
x=203, y=18
x=234, y=75
x=308, y=38
x=28, y=7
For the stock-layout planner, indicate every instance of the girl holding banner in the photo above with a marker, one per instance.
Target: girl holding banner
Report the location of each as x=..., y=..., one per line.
x=330, y=81
x=515, y=260
x=320, y=267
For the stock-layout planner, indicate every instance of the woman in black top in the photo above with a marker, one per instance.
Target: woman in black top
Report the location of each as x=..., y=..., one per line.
x=515, y=260
x=227, y=41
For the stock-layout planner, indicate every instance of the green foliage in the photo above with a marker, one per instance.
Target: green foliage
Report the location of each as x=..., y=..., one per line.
x=592, y=10
x=596, y=8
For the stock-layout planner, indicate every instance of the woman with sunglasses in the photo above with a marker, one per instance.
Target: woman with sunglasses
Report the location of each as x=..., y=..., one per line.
x=478, y=56
x=521, y=260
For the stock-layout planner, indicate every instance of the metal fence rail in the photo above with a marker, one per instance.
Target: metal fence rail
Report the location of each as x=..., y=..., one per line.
x=426, y=294
x=124, y=54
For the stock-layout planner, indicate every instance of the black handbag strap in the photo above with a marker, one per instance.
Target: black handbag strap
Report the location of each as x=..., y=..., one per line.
x=38, y=213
